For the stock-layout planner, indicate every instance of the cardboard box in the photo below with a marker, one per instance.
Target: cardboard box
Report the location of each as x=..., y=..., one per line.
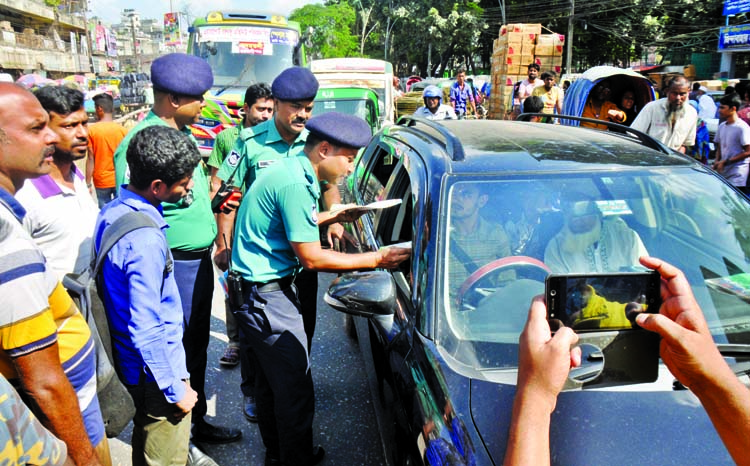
x=519, y=60
x=534, y=28
x=548, y=50
x=550, y=39
x=528, y=49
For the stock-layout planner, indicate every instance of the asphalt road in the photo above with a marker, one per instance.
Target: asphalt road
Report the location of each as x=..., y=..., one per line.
x=344, y=418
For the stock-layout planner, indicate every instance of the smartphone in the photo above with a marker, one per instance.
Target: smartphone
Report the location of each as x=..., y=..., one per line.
x=601, y=302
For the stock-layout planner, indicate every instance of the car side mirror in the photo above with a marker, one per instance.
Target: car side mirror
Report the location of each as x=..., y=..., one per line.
x=366, y=294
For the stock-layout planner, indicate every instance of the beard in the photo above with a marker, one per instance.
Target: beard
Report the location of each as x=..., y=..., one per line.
x=675, y=111
x=67, y=156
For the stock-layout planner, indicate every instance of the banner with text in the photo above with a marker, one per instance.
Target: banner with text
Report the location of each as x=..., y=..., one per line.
x=735, y=7
x=734, y=38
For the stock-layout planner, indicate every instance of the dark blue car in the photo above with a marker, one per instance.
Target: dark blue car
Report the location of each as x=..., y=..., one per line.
x=483, y=209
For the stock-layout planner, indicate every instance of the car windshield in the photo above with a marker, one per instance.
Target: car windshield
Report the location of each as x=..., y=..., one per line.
x=362, y=108
x=503, y=236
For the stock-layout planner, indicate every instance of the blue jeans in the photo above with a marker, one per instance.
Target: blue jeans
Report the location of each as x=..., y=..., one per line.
x=104, y=195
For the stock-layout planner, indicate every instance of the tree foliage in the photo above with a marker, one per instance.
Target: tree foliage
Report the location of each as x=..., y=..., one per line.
x=327, y=29
x=432, y=36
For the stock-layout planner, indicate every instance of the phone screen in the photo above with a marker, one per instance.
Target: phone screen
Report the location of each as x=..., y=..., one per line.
x=598, y=302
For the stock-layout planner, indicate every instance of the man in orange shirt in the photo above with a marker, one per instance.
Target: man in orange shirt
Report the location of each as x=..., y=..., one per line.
x=104, y=137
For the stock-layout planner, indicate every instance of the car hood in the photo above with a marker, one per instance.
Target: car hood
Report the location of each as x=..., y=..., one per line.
x=626, y=425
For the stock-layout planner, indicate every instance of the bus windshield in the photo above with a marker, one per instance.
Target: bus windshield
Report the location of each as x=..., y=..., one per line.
x=243, y=54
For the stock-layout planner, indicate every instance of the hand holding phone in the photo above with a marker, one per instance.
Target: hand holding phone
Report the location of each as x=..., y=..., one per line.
x=597, y=302
x=223, y=197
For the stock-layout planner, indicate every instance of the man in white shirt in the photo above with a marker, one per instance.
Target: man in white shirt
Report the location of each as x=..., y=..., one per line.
x=733, y=143
x=433, y=108
x=528, y=85
x=706, y=105
x=61, y=211
x=670, y=120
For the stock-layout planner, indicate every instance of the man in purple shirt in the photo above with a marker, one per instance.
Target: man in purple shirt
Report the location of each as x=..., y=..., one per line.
x=462, y=96
x=142, y=300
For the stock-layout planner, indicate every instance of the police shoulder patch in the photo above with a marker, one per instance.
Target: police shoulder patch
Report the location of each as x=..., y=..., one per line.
x=233, y=158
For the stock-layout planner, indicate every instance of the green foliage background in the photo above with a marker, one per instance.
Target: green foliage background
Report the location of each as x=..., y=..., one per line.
x=428, y=35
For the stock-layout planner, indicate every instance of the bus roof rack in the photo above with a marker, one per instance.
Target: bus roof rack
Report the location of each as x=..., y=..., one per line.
x=451, y=142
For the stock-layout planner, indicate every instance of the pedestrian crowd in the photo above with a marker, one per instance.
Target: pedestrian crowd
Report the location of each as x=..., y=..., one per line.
x=257, y=212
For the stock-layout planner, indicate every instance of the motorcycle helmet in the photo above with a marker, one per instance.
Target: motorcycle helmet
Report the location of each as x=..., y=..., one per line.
x=432, y=91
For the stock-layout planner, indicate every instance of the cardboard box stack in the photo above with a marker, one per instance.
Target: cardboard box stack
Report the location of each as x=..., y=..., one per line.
x=517, y=47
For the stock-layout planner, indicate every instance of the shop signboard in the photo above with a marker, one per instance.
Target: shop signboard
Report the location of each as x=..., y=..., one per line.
x=734, y=38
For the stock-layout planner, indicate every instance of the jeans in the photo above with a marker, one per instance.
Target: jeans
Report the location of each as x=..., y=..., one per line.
x=104, y=195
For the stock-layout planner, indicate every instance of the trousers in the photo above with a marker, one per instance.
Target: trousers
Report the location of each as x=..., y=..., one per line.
x=273, y=324
x=195, y=283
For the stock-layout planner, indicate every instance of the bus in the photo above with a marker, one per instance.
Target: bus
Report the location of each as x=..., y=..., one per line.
x=242, y=48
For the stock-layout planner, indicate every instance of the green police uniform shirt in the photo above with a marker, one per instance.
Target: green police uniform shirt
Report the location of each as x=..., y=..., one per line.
x=282, y=208
x=191, y=227
x=257, y=148
x=224, y=143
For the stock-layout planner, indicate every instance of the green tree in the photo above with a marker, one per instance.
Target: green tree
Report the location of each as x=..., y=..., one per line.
x=331, y=29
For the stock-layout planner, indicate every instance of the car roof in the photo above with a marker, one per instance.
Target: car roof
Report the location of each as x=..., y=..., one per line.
x=492, y=146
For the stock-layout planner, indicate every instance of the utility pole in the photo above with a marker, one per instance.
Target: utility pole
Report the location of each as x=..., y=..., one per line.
x=569, y=58
x=135, y=48
x=502, y=10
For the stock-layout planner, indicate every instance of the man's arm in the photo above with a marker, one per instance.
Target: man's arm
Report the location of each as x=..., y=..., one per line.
x=44, y=381
x=689, y=351
x=559, y=104
x=718, y=164
x=90, y=167
x=543, y=366
x=147, y=327
x=332, y=195
x=313, y=257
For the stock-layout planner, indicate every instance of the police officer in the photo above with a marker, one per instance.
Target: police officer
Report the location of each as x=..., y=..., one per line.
x=277, y=235
x=256, y=149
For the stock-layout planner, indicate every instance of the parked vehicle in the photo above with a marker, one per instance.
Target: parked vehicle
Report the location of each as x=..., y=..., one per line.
x=620, y=80
x=361, y=72
x=242, y=48
x=357, y=101
x=439, y=335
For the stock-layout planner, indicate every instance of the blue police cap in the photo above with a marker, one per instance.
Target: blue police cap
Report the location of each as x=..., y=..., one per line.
x=340, y=129
x=295, y=83
x=180, y=73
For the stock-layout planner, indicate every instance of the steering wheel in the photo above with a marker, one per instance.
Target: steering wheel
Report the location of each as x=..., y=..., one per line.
x=494, y=266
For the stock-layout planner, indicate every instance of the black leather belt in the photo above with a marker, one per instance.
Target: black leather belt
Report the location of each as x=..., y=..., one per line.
x=192, y=255
x=273, y=285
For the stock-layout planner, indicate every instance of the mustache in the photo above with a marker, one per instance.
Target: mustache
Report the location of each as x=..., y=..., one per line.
x=299, y=120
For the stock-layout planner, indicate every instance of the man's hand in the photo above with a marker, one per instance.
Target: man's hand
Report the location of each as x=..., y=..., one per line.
x=545, y=360
x=617, y=115
x=391, y=257
x=719, y=166
x=336, y=232
x=687, y=347
x=221, y=258
x=187, y=402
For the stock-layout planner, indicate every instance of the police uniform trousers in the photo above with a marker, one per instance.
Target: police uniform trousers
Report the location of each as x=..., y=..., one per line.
x=271, y=319
x=194, y=275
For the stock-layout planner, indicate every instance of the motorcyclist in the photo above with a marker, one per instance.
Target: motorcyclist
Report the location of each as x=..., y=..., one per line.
x=433, y=108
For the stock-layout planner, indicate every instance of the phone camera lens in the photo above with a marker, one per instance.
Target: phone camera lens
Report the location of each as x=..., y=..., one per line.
x=552, y=293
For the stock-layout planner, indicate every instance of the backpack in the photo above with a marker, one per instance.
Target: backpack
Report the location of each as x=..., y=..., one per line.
x=114, y=399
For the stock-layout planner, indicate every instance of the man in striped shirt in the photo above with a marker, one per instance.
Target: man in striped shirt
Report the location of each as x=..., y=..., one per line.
x=46, y=348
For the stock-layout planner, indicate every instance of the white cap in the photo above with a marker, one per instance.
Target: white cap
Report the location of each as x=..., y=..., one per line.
x=704, y=89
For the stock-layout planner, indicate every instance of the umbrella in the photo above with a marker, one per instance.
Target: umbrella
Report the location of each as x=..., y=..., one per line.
x=33, y=80
x=75, y=78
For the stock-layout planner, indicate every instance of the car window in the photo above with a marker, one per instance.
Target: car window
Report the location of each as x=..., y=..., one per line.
x=376, y=177
x=502, y=237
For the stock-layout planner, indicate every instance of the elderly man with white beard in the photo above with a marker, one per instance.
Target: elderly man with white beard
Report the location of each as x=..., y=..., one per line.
x=669, y=120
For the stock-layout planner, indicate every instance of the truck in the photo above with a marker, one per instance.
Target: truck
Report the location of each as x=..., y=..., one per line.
x=359, y=72
x=242, y=48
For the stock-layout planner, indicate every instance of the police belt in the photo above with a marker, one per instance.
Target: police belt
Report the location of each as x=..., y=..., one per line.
x=273, y=285
x=192, y=255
